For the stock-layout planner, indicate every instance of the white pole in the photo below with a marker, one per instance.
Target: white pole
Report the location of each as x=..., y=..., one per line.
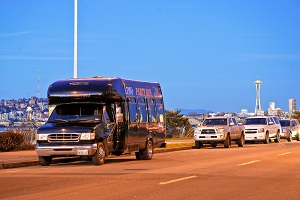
x=75, y=38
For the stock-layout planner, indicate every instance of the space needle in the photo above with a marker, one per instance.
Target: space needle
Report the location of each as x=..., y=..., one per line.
x=257, y=105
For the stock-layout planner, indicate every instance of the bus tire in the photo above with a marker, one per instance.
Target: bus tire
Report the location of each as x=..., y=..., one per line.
x=99, y=157
x=147, y=154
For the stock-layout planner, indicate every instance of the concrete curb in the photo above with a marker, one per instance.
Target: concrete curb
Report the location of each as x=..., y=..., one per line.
x=73, y=159
x=18, y=164
x=34, y=163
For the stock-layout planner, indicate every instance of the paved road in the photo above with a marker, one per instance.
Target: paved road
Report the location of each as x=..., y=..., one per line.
x=14, y=159
x=255, y=171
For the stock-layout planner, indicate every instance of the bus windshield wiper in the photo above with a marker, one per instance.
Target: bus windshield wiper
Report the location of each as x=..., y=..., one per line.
x=59, y=121
x=82, y=120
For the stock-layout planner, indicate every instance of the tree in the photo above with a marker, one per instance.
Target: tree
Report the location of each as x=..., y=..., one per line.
x=296, y=115
x=176, y=124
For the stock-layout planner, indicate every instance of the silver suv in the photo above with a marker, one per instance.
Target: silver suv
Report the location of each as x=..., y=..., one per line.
x=290, y=129
x=295, y=129
x=262, y=128
x=216, y=130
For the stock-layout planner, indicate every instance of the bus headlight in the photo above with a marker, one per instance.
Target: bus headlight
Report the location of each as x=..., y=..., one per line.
x=41, y=137
x=87, y=136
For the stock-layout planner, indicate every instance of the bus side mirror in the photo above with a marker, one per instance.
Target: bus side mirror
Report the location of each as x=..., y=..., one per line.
x=119, y=115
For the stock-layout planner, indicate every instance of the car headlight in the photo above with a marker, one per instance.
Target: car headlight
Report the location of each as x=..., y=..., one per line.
x=284, y=130
x=261, y=130
x=220, y=130
x=41, y=137
x=87, y=136
x=197, y=131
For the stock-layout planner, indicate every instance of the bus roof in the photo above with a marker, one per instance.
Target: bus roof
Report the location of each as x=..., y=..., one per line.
x=98, y=87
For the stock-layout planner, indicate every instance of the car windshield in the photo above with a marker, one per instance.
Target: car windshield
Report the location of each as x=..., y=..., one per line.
x=255, y=121
x=215, y=122
x=285, y=122
x=77, y=112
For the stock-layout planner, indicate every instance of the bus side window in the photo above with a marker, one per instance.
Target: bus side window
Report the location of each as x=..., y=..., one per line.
x=160, y=110
x=142, y=110
x=151, y=111
x=133, y=115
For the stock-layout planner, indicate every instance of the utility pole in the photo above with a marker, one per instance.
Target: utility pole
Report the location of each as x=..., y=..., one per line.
x=75, y=38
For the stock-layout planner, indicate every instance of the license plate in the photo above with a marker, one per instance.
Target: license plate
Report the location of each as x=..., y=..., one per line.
x=207, y=136
x=82, y=152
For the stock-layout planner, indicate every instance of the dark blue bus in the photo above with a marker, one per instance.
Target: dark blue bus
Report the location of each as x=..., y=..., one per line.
x=98, y=116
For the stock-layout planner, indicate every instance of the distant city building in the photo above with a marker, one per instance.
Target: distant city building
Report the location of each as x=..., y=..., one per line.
x=244, y=111
x=272, y=105
x=292, y=105
x=260, y=112
x=276, y=112
x=272, y=111
x=20, y=112
x=244, y=114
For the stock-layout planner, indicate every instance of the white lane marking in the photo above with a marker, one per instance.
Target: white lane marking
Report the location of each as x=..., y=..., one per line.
x=177, y=180
x=282, y=154
x=248, y=163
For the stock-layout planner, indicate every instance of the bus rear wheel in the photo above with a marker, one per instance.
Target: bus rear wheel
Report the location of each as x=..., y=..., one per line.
x=147, y=154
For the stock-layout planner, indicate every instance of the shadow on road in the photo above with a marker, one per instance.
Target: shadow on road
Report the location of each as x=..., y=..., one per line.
x=109, y=160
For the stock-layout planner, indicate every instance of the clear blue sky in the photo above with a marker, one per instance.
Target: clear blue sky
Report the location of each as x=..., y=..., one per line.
x=205, y=54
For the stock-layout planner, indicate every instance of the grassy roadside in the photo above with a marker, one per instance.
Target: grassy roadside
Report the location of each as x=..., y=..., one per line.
x=179, y=142
x=185, y=144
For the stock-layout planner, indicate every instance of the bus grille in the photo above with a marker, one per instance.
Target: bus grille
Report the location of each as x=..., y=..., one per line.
x=70, y=137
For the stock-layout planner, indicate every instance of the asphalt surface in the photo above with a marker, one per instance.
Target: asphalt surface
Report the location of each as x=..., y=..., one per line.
x=27, y=158
x=256, y=171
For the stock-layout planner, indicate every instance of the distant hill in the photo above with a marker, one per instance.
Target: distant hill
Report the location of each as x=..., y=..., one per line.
x=188, y=111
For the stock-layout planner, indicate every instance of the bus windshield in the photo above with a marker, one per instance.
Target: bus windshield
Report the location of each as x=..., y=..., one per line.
x=77, y=112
